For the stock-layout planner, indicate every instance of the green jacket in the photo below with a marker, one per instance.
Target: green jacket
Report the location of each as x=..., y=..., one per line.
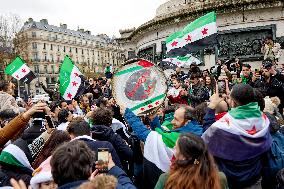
x=163, y=178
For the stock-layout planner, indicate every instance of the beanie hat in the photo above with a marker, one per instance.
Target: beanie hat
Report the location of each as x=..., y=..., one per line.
x=42, y=174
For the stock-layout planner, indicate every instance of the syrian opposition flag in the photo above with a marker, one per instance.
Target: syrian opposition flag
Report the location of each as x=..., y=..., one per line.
x=184, y=61
x=242, y=133
x=19, y=70
x=70, y=79
x=197, y=35
x=13, y=155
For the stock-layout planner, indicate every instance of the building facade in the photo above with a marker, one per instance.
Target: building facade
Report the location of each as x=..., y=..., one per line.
x=48, y=45
x=242, y=28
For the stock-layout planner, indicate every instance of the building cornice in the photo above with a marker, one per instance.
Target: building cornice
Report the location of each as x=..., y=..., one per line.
x=189, y=12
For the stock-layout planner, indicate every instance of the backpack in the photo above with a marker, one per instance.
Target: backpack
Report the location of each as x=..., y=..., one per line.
x=275, y=160
x=276, y=154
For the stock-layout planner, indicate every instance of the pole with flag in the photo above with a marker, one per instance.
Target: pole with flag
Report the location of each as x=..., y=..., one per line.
x=19, y=70
x=71, y=79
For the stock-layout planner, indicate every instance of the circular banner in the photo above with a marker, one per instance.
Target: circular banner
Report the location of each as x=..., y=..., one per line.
x=140, y=86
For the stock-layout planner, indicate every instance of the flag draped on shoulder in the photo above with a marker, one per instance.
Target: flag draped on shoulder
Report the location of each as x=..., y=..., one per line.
x=242, y=133
x=197, y=35
x=159, y=148
x=19, y=70
x=70, y=79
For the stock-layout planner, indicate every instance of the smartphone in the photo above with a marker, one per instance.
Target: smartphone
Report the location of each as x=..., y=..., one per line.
x=49, y=121
x=102, y=157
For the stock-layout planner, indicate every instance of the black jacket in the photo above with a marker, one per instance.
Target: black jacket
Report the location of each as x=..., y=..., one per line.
x=94, y=145
x=8, y=171
x=272, y=88
x=101, y=132
x=198, y=94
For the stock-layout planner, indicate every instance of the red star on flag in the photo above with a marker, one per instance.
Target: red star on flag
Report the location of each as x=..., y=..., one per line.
x=69, y=95
x=76, y=74
x=17, y=76
x=157, y=102
x=74, y=83
x=252, y=131
x=23, y=70
x=188, y=38
x=174, y=44
x=204, y=31
x=142, y=109
x=150, y=106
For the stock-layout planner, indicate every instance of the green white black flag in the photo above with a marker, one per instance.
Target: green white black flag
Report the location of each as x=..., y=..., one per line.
x=199, y=34
x=70, y=79
x=20, y=71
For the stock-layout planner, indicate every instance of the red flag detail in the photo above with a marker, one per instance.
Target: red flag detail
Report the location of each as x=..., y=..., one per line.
x=74, y=83
x=204, y=31
x=76, y=74
x=252, y=131
x=23, y=70
x=174, y=44
x=145, y=64
x=150, y=106
x=69, y=95
x=188, y=38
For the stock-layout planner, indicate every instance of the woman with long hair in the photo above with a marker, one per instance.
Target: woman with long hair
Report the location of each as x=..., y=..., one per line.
x=210, y=84
x=193, y=167
x=57, y=137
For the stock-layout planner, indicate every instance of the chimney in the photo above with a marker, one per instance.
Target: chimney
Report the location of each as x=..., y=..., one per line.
x=64, y=26
x=88, y=32
x=30, y=20
x=81, y=30
x=44, y=21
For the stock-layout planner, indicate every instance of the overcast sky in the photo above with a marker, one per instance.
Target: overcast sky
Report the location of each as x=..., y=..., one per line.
x=98, y=16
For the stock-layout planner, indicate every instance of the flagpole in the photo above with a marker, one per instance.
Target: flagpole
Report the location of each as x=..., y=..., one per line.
x=18, y=88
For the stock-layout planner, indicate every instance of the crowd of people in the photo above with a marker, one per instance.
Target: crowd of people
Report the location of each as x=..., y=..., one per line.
x=217, y=129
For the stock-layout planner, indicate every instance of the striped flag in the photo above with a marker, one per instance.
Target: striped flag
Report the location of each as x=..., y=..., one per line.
x=70, y=79
x=245, y=130
x=184, y=61
x=13, y=155
x=197, y=35
x=19, y=70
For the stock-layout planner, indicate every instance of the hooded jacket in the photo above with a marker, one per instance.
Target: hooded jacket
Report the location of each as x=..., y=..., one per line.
x=15, y=163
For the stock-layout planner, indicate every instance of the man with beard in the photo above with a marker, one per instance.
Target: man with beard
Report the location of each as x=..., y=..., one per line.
x=270, y=85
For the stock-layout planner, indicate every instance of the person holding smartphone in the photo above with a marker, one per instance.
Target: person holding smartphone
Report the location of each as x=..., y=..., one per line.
x=70, y=172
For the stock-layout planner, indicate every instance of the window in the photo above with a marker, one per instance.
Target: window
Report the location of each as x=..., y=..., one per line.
x=36, y=68
x=51, y=47
x=57, y=47
x=93, y=52
x=33, y=34
x=76, y=50
x=45, y=68
x=45, y=57
x=70, y=50
x=34, y=45
x=56, y=37
x=52, y=68
x=64, y=49
x=44, y=46
x=82, y=51
x=35, y=57
x=51, y=57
